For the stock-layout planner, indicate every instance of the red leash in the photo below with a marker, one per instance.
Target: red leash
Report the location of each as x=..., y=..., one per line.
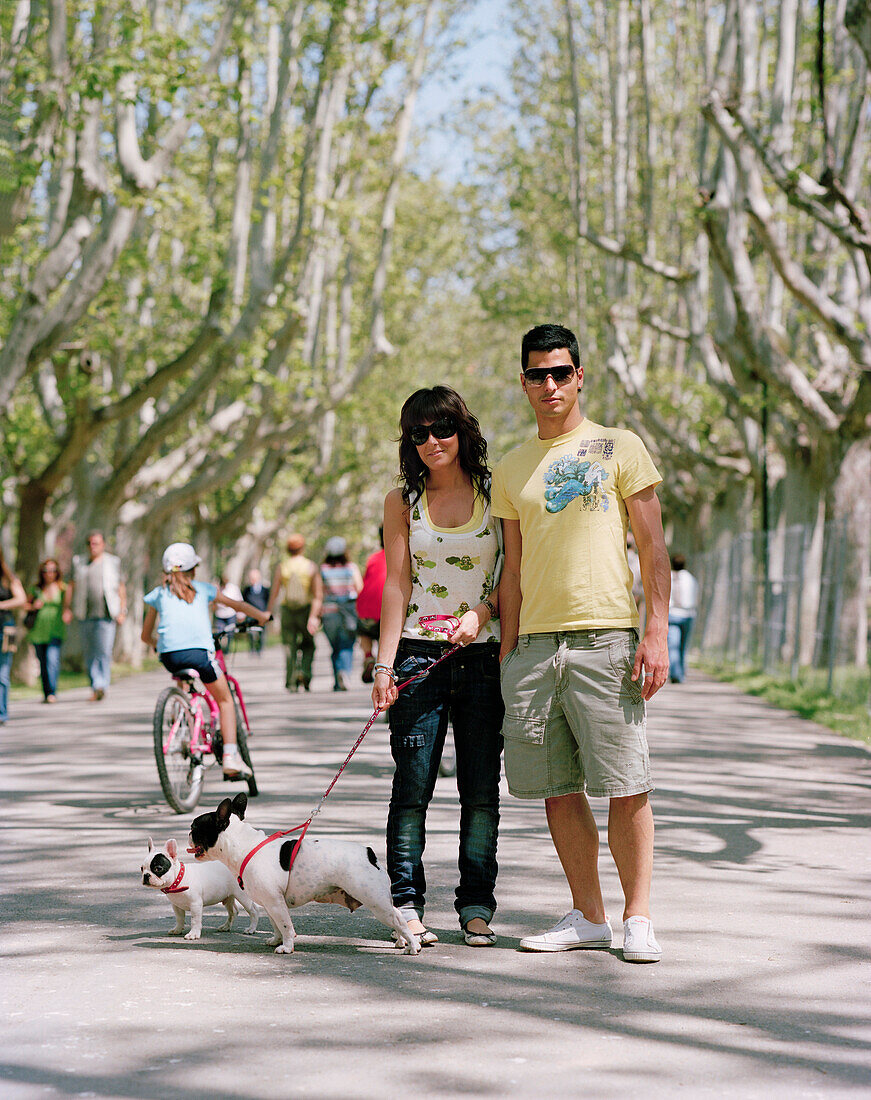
x=445, y=624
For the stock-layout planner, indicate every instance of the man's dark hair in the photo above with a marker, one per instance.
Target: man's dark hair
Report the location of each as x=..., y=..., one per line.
x=549, y=338
x=678, y=562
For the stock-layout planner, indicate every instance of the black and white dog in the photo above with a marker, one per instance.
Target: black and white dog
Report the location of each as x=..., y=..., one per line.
x=190, y=886
x=327, y=870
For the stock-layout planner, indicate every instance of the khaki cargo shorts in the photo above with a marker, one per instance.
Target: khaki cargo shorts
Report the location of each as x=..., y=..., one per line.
x=574, y=719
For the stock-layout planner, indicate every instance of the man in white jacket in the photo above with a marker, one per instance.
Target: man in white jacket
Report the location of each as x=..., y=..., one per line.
x=97, y=598
x=682, y=609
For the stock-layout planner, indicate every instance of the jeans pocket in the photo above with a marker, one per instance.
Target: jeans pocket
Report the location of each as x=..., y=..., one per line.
x=519, y=727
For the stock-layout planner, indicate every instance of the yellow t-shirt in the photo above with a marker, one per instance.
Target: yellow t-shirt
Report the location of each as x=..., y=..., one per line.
x=296, y=580
x=568, y=495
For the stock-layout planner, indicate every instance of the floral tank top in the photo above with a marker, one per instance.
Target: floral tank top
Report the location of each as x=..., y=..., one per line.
x=452, y=568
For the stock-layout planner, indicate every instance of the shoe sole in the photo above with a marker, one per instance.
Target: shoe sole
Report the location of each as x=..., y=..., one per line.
x=642, y=956
x=593, y=945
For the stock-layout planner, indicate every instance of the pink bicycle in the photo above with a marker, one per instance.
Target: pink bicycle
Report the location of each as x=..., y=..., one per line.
x=187, y=734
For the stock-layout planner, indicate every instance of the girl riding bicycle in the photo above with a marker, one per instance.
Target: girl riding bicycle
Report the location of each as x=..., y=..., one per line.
x=184, y=637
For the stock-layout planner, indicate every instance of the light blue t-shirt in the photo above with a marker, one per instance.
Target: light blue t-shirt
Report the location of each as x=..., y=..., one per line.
x=183, y=625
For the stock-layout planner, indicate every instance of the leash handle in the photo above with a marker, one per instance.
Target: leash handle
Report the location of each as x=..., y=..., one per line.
x=441, y=624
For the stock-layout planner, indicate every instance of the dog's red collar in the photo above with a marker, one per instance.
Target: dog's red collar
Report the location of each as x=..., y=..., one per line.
x=268, y=840
x=175, y=888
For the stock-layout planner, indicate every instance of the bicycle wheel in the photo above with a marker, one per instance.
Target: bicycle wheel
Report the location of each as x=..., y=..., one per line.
x=242, y=739
x=180, y=771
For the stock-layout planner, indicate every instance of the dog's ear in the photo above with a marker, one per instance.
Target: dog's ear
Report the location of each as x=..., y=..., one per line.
x=223, y=813
x=150, y=845
x=240, y=805
x=171, y=848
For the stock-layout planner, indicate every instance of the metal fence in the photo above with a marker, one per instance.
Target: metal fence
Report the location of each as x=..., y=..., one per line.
x=790, y=599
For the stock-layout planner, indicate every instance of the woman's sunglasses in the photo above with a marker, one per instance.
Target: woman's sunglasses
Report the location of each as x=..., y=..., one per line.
x=443, y=428
x=537, y=376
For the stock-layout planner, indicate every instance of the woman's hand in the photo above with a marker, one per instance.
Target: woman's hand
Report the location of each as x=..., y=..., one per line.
x=468, y=630
x=384, y=693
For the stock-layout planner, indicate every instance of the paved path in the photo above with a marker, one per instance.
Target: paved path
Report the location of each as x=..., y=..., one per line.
x=761, y=904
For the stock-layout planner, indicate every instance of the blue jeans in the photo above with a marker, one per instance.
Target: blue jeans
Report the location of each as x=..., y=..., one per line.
x=464, y=689
x=341, y=635
x=48, y=655
x=680, y=627
x=98, y=639
x=5, y=677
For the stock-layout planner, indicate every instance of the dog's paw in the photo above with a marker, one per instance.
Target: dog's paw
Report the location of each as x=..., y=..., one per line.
x=192, y=935
x=409, y=950
x=225, y=927
x=250, y=931
x=176, y=931
x=284, y=949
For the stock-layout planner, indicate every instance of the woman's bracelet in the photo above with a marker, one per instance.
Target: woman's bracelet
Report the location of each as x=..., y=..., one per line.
x=387, y=669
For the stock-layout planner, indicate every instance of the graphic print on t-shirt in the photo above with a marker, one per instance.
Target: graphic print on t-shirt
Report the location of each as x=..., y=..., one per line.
x=575, y=477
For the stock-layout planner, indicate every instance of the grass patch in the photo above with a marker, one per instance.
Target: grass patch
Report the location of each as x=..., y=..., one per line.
x=845, y=709
x=68, y=680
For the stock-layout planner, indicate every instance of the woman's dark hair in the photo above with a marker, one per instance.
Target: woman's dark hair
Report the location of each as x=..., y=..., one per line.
x=41, y=583
x=336, y=559
x=423, y=407
x=6, y=573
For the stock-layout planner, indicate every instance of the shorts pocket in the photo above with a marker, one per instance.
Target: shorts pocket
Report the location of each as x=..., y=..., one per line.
x=621, y=655
x=517, y=727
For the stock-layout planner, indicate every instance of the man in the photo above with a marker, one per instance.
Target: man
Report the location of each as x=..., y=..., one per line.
x=97, y=598
x=256, y=593
x=297, y=581
x=681, y=616
x=575, y=678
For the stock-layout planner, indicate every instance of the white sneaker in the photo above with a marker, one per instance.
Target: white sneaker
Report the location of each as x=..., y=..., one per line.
x=233, y=764
x=574, y=930
x=639, y=943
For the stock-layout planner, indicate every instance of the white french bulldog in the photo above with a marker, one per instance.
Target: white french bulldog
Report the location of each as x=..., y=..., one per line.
x=191, y=886
x=326, y=870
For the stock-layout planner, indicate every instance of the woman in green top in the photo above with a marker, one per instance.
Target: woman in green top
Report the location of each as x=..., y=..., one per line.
x=48, y=631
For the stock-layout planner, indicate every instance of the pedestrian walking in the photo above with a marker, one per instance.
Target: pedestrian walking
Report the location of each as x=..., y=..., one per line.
x=342, y=583
x=682, y=609
x=575, y=676
x=97, y=597
x=442, y=548
x=369, y=607
x=256, y=593
x=296, y=584
x=225, y=617
x=12, y=596
x=47, y=629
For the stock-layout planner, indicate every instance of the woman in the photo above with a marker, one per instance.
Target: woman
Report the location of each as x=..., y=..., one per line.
x=12, y=595
x=48, y=630
x=442, y=552
x=342, y=583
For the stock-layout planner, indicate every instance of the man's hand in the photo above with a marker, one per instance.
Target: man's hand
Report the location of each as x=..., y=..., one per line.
x=651, y=658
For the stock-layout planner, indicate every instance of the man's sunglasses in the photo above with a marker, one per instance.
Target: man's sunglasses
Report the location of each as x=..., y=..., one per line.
x=443, y=428
x=537, y=376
